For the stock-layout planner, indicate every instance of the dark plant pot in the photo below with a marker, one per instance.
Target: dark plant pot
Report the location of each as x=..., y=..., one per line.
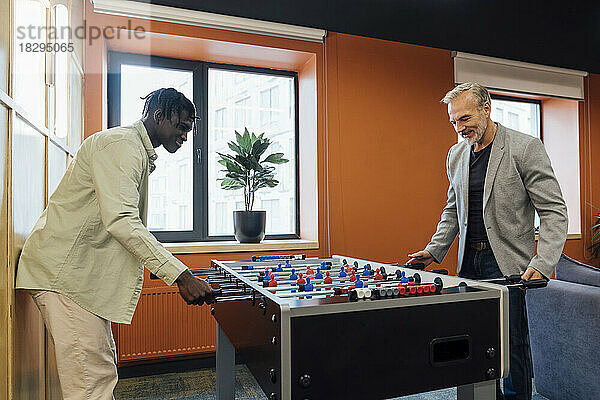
x=249, y=226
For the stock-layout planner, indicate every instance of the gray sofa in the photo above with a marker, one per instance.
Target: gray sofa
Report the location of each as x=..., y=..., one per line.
x=564, y=328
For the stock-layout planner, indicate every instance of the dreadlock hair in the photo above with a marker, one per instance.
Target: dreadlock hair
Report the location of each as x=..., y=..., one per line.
x=169, y=101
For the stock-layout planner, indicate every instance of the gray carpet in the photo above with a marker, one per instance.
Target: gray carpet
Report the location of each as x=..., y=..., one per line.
x=200, y=385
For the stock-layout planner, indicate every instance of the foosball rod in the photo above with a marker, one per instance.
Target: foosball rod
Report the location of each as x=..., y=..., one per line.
x=360, y=293
x=384, y=291
x=232, y=298
x=208, y=272
x=319, y=284
x=285, y=269
x=328, y=285
x=369, y=279
x=298, y=270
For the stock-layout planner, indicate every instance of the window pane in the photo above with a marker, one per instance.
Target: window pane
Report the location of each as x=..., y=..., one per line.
x=5, y=36
x=260, y=103
x=170, y=185
x=27, y=149
x=29, y=66
x=61, y=76
x=57, y=165
x=77, y=20
x=76, y=101
x=518, y=115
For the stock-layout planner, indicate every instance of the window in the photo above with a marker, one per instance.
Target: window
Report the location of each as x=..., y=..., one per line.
x=248, y=99
x=183, y=179
x=76, y=105
x=136, y=82
x=194, y=206
x=61, y=80
x=67, y=126
x=522, y=115
x=269, y=105
x=29, y=83
x=498, y=115
x=220, y=123
x=183, y=215
x=273, y=210
x=243, y=114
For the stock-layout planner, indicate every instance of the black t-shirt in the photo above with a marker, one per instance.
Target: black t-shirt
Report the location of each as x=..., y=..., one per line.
x=478, y=164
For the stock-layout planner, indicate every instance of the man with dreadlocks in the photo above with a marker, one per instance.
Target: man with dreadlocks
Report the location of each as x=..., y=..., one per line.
x=83, y=262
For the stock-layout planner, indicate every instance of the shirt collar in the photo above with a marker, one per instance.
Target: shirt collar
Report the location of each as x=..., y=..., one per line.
x=152, y=156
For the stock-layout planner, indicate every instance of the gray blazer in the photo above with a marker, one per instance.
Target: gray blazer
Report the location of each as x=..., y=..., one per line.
x=519, y=180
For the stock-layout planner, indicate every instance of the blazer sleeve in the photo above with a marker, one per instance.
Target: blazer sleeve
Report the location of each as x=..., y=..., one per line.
x=447, y=228
x=546, y=196
x=117, y=171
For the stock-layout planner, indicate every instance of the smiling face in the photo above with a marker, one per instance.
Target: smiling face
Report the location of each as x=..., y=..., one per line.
x=171, y=133
x=469, y=119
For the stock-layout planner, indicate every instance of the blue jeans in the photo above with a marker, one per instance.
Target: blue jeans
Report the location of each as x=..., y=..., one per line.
x=482, y=265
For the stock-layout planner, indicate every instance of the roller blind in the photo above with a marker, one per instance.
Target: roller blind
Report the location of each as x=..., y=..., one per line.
x=516, y=76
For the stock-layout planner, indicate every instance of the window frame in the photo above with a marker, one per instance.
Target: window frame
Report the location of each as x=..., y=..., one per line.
x=199, y=233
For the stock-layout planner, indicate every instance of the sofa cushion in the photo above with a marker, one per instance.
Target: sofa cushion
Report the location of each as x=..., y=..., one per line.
x=570, y=270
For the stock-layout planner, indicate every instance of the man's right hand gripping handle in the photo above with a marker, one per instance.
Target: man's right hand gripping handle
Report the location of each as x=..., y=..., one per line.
x=194, y=290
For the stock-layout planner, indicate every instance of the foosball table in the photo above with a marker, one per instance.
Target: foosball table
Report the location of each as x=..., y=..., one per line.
x=347, y=328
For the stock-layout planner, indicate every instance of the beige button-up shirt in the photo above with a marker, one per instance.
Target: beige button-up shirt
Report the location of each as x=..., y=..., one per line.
x=91, y=242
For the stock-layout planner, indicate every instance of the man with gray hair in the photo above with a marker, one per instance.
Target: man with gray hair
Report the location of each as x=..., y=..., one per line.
x=498, y=179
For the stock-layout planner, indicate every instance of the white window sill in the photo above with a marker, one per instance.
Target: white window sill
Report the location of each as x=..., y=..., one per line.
x=235, y=247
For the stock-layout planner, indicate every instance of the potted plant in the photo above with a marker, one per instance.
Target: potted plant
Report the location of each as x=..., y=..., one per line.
x=247, y=169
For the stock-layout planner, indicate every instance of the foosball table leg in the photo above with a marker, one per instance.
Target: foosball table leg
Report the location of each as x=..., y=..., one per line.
x=477, y=391
x=225, y=367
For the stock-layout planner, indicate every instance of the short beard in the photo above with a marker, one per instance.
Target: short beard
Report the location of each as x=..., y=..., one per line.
x=479, y=132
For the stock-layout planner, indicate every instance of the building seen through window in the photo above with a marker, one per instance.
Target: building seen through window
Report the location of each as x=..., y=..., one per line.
x=260, y=103
x=172, y=178
x=517, y=114
x=187, y=202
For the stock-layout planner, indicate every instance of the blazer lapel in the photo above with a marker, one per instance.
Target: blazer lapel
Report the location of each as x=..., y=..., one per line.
x=494, y=162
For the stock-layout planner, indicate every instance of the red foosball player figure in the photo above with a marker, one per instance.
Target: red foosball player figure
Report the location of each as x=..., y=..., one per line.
x=353, y=277
x=309, y=271
x=301, y=280
x=272, y=282
x=378, y=276
x=327, y=278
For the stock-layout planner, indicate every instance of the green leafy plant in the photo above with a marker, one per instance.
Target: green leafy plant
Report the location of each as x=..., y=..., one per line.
x=245, y=169
x=595, y=246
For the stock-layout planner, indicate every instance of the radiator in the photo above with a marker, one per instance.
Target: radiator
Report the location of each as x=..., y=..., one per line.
x=165, y=326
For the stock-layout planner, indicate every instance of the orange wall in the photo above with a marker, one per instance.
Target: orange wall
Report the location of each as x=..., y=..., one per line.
x=589, y=145
x=589, y=167
x=388, y=137
x=381, y=178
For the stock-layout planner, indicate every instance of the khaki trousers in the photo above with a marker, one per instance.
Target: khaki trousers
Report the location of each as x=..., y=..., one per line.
x=85, y=349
